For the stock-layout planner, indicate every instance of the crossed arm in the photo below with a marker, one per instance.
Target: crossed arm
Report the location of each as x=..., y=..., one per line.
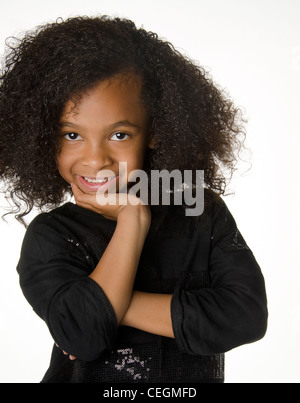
x=115, y=273
x=236, y=301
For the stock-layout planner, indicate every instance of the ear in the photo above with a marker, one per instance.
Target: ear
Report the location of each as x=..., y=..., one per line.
x=151, y=142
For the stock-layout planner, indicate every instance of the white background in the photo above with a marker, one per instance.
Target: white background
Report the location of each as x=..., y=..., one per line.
x=251, y=48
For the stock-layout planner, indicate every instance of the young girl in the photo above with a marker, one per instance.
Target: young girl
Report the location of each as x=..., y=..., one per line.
x=130, y=292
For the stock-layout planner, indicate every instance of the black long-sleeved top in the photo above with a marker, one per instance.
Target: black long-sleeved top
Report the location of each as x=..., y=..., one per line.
x=218, y=303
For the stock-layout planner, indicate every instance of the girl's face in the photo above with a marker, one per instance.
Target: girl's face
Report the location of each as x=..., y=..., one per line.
x=108, y=126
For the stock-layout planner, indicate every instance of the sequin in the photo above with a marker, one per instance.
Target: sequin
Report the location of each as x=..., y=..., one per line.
x=132, y=364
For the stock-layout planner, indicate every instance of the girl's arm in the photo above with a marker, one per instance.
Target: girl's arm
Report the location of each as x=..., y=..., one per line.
x=150, y=313
x=116, y=270
x=115, y=273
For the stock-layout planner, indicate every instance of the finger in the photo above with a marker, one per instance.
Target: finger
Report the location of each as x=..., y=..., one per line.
x=71, y=357
x=81, y=197
x=97, y=201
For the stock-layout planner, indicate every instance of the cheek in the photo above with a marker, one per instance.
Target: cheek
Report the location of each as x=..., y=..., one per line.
x=64, y=163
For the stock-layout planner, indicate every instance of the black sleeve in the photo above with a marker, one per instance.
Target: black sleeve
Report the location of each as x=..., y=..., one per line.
x=233, y=311
x=55, y=282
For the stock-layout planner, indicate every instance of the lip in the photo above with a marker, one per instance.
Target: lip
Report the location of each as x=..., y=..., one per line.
x=95, y=187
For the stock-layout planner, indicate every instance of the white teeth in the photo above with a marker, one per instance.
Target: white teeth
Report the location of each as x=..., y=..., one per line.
x=103, y=180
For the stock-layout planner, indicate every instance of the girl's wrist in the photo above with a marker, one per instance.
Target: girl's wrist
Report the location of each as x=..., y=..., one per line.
x=139, y=214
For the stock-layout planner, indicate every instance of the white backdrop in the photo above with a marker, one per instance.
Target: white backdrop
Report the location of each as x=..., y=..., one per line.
x=252, y=48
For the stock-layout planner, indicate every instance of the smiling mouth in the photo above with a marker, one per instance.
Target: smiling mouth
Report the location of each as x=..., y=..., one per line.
x=93, y=184
x=98, y=180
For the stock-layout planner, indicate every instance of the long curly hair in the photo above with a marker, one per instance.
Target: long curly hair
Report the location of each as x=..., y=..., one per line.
x=194, y=123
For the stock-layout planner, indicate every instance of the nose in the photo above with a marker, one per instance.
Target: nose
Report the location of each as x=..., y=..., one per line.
x=96, y=157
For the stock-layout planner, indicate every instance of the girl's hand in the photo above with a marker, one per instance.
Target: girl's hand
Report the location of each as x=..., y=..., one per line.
x=112, y=206
x=65, y=353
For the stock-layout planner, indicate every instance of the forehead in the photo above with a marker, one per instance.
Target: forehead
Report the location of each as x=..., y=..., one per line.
x=118, y=98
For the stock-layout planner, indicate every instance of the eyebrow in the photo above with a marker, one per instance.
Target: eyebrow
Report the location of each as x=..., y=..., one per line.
x=112, y=126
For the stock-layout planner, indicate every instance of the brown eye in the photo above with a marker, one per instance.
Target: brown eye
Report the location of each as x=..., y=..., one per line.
x=72, y=136
x=119, y=136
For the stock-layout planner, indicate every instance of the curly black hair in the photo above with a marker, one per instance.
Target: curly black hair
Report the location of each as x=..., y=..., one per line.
x=193, y=122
